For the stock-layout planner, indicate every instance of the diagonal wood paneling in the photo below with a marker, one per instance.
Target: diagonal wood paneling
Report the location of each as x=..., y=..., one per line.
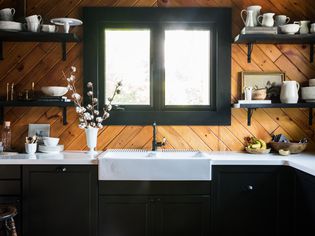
x=41, y=63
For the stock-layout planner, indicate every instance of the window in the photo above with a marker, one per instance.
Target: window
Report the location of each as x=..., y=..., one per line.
x=174, y=63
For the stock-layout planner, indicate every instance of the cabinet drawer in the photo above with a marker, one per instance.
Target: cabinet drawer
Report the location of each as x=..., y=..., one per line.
x=10, y=187
x=10, y=172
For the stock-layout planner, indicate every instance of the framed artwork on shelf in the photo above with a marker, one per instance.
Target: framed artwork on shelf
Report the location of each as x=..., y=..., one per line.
x=40, y=130
x=271, y=81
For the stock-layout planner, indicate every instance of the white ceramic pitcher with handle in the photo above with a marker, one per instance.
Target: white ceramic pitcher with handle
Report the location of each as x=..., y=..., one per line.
x=256, y=12
x=289, y=92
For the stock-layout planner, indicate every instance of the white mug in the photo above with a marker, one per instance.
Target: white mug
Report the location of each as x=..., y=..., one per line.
x=34, y=18
x=30, y=148
x=48, y=28
x=281, y=20
x=7, y=14
x=32, y=26
x=313, y=28
x=267, y=19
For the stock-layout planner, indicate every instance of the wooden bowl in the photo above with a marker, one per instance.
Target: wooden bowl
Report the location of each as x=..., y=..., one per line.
x=259, y=94
x=257, y=151
x=292, y=147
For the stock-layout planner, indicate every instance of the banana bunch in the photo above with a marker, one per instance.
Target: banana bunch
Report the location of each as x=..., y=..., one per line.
x=255, y=143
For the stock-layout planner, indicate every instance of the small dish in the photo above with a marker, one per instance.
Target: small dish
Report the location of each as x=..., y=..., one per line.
x=50, y=149
x=259, y=94
x=290, y=28
x=258, y=151
x=308, y=93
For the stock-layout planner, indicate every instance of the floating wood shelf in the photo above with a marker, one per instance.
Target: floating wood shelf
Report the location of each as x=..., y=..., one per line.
x=62, y=38
x=251, y=39
x=251, y=107
x=60, y=104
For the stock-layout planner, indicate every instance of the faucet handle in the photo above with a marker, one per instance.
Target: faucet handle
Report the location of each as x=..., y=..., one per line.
x=164, y=141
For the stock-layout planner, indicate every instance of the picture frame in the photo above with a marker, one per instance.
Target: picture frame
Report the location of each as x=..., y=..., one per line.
x=270, y=80
x=40, y=130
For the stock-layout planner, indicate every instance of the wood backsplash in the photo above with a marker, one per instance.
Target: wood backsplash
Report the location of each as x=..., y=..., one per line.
x=41, y=63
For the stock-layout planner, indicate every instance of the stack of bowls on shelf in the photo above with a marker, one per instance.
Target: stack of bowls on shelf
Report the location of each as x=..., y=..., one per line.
x=308, y=93
x=6, y=20
x=50, y=145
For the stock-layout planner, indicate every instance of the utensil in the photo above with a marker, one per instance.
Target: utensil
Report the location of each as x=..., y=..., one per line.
x=289, y=92
x=66, y=22
x=256, y=12
x=6, y=14
x=56, y=91
x=293, y=147
x=281, y=20
x=290, y=28
x=267, y=19
x=303, y=26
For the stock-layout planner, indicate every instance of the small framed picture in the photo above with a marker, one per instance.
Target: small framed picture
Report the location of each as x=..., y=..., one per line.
x=272, y=81
x=40, y=130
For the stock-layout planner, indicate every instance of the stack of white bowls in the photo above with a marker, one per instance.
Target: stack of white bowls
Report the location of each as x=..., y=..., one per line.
x=308, y=93
x=50, y=145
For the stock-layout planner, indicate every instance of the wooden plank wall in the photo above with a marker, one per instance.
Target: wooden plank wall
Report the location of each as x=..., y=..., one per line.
x=41, y=63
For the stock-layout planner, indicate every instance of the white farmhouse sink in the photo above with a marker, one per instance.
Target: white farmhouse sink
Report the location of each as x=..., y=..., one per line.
x=148, y=165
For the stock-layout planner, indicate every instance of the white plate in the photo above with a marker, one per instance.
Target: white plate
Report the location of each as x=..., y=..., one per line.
x=50, y=149
x=11, y=26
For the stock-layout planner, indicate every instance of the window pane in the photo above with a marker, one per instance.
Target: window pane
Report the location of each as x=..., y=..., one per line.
x=187, y=67
x=127, y=59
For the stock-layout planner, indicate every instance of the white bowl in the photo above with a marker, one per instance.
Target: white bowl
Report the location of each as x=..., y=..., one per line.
x=308, y=93
x=51, y=142
x=56, y=91
x=311, y=82
x=290, y=28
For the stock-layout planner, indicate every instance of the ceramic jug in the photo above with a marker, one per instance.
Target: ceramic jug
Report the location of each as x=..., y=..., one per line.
x=289, y=92
x=267, y=19
x=249, y=22
x=256, y=12
x=304, y=26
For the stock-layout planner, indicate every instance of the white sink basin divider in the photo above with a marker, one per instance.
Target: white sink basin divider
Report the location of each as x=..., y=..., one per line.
x=154, y=165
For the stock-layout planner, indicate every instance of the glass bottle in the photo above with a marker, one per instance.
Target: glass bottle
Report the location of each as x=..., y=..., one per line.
x=6, y=136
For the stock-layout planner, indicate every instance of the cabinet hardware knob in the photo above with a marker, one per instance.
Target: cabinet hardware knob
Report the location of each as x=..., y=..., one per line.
x=250, y=187
x=62, y=169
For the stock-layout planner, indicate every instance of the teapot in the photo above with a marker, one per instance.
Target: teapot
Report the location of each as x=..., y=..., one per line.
x=289, y=92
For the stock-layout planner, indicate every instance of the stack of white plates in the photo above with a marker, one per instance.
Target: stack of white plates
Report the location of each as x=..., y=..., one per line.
x=11, y=26
x=50, y=149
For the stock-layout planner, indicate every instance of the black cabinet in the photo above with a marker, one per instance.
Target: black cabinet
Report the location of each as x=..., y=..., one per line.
x=59, y=200
x=154, y=209
x=247, y=200
x=305, y=203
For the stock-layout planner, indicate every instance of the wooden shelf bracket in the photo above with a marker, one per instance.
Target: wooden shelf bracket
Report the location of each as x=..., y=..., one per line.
x=311, y=53
x=249, y=52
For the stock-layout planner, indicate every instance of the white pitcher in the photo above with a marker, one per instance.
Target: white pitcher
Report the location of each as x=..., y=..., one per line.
x=289, y=92
x=249, y=22
x=304, y=26
x=256, y=12
x=267, y=19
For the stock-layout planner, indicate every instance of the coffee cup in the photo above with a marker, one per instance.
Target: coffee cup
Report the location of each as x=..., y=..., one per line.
x=32, y=26
x=313, y=28
x=7, y=14
x=281, y=20
x=48, y=28
x=34, y=18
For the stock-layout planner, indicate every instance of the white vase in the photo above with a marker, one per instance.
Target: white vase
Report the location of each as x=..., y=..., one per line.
x=91, y=139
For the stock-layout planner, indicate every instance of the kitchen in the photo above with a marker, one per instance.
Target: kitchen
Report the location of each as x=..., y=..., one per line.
x=201, y=181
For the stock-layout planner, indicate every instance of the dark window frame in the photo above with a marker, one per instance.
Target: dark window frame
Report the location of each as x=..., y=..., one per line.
x=219, y=19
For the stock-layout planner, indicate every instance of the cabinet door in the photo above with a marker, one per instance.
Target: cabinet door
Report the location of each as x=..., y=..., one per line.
x=245, y=200
x=305, y=203
x=59, y=201
x=124, y=216
x=182, y=215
